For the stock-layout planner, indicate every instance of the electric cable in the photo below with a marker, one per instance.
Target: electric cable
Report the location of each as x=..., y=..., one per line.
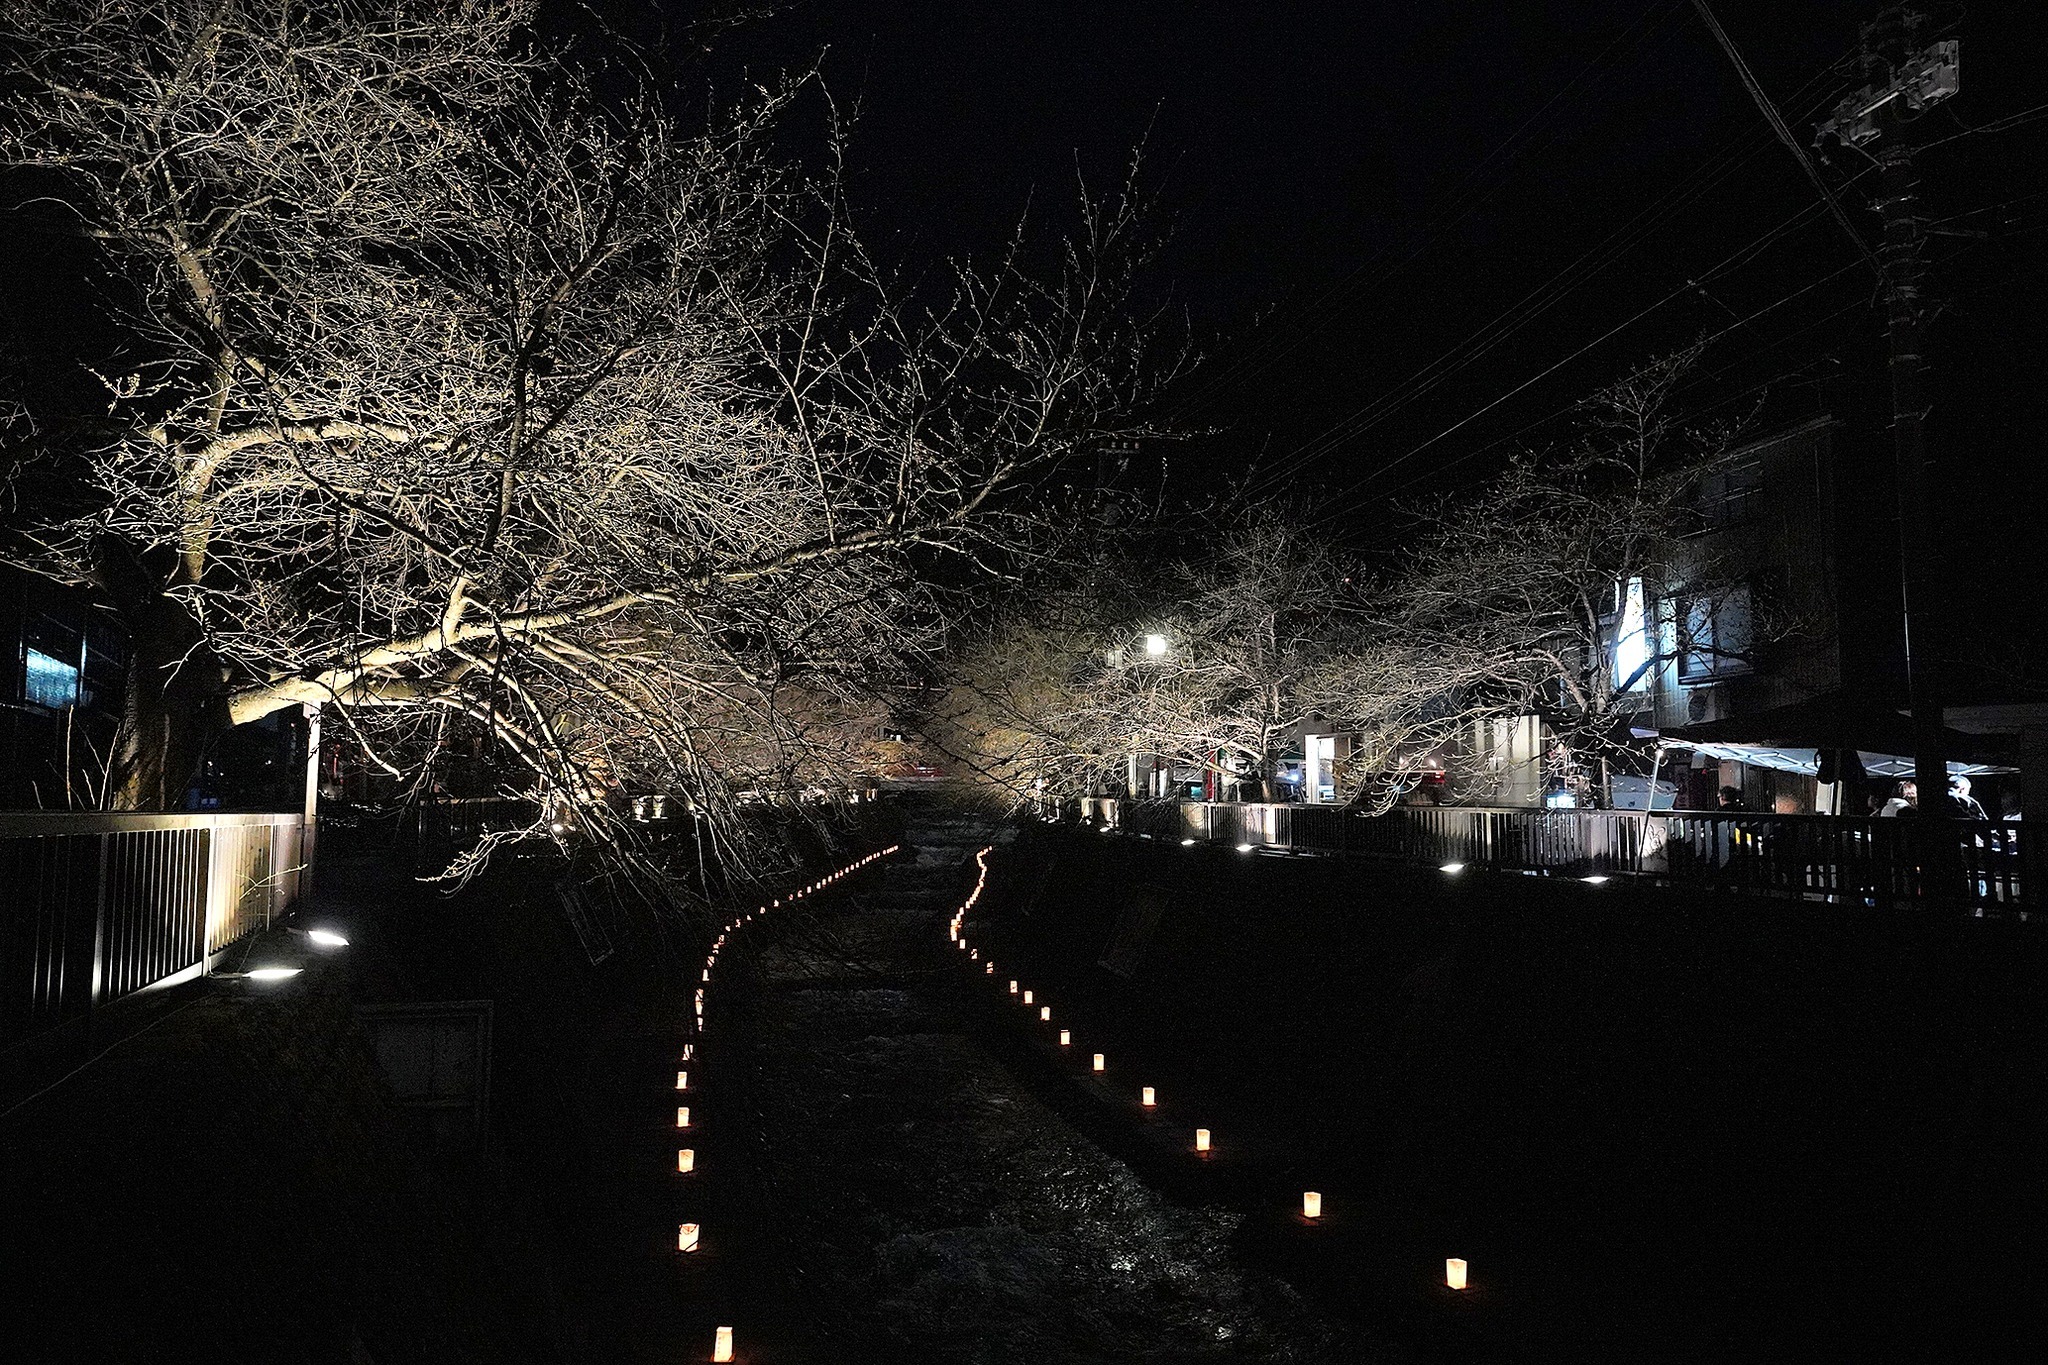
x=1777, y=122
x=1724, y=162
x=1279, y=348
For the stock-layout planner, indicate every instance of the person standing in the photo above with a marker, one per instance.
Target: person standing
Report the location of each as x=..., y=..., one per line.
x=1962, y=805
x=1905, y=800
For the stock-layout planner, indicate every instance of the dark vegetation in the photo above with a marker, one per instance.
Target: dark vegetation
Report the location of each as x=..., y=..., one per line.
x=1657, y=1127
x=234, y=1183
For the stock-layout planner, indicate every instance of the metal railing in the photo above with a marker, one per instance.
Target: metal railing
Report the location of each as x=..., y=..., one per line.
x=1819, y=857
x=102, y=906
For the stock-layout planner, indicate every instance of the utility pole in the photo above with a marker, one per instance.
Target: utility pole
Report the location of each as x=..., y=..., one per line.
x=1908, y=77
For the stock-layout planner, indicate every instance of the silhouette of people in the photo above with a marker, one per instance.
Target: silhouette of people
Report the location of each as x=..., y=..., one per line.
x=1905, y=800
x=1961, y=803
x=1731, y=798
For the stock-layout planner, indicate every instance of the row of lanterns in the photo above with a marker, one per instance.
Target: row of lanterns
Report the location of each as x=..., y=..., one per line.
x=689, y=1236
x=1148, y=1096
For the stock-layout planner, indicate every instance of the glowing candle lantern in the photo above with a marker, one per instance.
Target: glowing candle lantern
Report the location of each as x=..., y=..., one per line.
x=1454, y=1272
x=1027, y=997
x=1013, y=988
x=1066, y=1037
x=1201, y=1139
x=686, y=1237
x=682, y=1080
x=682, y=1116
x=686, y=1160
x=1311, y=1204
x=1150, y=1098
x=1045, y=1014
x=721, y=1346
x=1098, y=1062
x=962, y=942
x=990, y=969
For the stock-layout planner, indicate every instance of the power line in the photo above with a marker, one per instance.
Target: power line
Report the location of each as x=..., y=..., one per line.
x=1723, y=164
x=1777, y=122
x=1531, y=307
x=1337, y=507
x=1277, y=348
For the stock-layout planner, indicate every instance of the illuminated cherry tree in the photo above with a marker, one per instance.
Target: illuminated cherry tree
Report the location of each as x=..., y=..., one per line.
x=461, y=401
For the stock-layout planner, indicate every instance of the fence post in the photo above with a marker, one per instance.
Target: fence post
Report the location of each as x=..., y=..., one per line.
x=302, y=875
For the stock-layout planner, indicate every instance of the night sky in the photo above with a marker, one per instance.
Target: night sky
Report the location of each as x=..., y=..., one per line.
x=1402, y=231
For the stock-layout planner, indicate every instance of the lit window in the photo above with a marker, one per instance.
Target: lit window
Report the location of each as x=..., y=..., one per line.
x=47, y=681
x=1632, y=641
x=1717, y=635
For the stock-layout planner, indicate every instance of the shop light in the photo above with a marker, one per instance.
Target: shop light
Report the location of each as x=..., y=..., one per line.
x=1454, y=1272
x=1311, y=1204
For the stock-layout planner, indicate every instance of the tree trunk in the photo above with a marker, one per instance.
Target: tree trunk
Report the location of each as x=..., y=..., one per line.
x=174, y=702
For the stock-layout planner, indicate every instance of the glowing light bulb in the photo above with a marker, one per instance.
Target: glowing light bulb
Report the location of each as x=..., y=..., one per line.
x=1201, y=1139
x=1311, y=1204
x=1454, y=1272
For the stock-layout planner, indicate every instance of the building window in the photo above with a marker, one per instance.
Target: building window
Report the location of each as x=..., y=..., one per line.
x=1716, y=637
x=1632, y=640
x=46, y=681
x=1726, y=497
